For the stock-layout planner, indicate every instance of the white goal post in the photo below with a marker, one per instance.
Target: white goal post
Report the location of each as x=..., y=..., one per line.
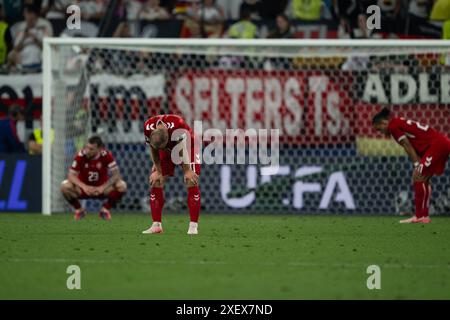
x=363, y=75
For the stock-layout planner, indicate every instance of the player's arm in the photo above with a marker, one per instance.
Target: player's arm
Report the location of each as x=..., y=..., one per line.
x=156, y=177
x=113, y=179
x=396, y=131
x=154, y=154
x=189, y=175
x=410, y=151
x=73, y=178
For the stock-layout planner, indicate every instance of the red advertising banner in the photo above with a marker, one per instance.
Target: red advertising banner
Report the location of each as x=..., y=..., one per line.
x=307, y=107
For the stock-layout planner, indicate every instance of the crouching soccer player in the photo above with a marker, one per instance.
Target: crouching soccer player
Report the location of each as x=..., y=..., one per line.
x=88, y=179
x=163, y=133
x=428, y=149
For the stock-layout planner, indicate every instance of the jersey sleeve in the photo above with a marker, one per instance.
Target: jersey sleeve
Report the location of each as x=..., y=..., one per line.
x=77, y=163
x=181, y=124
x=395, y=129
x=110, y=161
x=149, y=126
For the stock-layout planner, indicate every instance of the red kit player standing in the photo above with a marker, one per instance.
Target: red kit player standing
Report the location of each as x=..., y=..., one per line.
x=164, y=134
x=428, y=149
x=88, y=179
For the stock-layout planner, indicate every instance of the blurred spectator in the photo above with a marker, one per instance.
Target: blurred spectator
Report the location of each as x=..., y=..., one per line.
x=445, y=57
x=352, y=17
x=5, y=37
x=55, y=9
x=152, y=10
x=133, y=8
x=28, y=36
x=269, y=9
x=440, y=11
x=244, y=28
x=390, y=16
x=282, y=29
x=440, y=14
x=252, y=6
x=390, y=8
x=13, y=10
x=203, y=20
x=9, y=141
x=94, y=10
x=347, y=12
x=309, y=10
x=420, y=8
x=417, y=18
x=121, y=11
x=124, y=62
x=230, y=8
x=123, y=30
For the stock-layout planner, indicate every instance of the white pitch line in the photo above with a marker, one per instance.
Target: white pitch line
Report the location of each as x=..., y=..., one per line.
x=203, y=262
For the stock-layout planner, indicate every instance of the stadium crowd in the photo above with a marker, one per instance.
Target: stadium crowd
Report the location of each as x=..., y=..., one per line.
x=24, y=24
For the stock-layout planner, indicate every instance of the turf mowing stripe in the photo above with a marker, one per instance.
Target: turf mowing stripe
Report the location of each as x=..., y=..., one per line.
x=200, y=262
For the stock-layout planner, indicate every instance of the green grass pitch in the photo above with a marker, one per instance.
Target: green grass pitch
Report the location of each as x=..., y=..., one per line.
x=233, y=257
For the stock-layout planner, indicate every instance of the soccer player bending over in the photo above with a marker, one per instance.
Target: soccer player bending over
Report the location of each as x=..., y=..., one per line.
x=164, y=133
x=428, y=149
x=88, y=179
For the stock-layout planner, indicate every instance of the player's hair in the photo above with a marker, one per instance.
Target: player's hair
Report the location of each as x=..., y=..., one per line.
x=96, y=140
x=159, y=137
x=384, y=114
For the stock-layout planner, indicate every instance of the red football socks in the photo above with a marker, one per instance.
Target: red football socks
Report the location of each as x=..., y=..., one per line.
x=427, y=200
x=156, y=203
x=75, y=203
x=113, y=197
x=194, y=203
x=422, y=195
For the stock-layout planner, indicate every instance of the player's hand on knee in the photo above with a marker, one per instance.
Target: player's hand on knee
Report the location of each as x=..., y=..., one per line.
x=156, y=179
x=191, y=177
x=418, y=176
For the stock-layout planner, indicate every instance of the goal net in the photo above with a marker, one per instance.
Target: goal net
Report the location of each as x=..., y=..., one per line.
x=320, y=95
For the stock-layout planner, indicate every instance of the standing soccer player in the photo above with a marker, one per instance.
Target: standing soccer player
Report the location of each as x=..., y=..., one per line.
x=88, y=179
x=164, y=134
x=428, y=149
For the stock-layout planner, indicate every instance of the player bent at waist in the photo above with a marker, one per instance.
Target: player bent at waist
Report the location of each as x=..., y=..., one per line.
x=88, y=179
x=428, y=149
x=161, y=135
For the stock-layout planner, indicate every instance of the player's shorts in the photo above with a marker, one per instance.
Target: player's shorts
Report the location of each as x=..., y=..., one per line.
x=435, y=158
x=168, y=167
x=85, y=196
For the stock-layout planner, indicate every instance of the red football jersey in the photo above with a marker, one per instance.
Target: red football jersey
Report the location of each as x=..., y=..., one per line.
x=172, y=123
x=421, y=136
x=93, y=172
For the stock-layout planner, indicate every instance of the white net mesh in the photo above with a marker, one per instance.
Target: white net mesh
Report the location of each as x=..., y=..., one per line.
x=321, y=97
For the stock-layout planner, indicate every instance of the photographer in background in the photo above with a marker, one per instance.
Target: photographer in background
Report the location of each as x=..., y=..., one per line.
x=9, y=141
